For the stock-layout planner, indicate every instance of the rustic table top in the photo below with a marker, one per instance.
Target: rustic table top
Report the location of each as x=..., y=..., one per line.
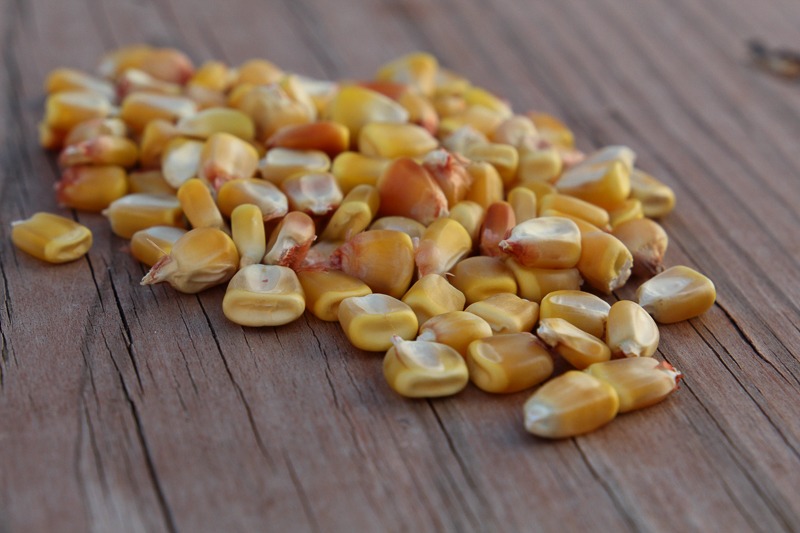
x=124, y=408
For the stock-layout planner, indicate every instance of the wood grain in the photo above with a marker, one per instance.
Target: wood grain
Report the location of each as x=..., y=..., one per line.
x=128, y=408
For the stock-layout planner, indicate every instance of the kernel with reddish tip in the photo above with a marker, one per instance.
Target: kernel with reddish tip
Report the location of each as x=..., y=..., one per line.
x=544, y=242
x=290, y=240
x=91, y=188
x=407, y=189
x=497, y=224
x=383, y=259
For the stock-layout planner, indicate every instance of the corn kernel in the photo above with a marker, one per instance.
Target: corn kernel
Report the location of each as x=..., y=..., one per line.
x=102, y=150
x=639, y=382
x=605, y=262
x=539, y=188
x=352, y=169
x=265, y=195
x=65, y=110
x=199, y=206
x=569, y=205
x=280, y=163
x=217, y=120
x=180, y=161
x=247, y=231
x=420, y=110
x=606, y=184
x=409, y=226
x=497, y=224
x=407, y=189
x=552, y=130
x=503, y=157
x=470, y=215
x=647, y=242
x=581, y=309
x=477, y=117
x=353, y=215
x=421, y=369
x=392, y=140
x=51, y=238
x=523, y=202
x=354, y=107
x=630, y=209
x=678, y=293
x=138, y=81
x=326, y=289
x=462, y=138
x=449, y=171
x=443, y=244
x=150, y=182
x=138, y=109
x=487, y=185
x=417, y=69
x=508, y=363
x=314, y=193
x=481, y=277
x=151, y=244
x=93, y=128
x=329, y=137
x=225, y=157
x=539, y=165
x=271, y=108
x=372, y=320
x=456, y=329
x=155, y=139
x=91, y=188
x=134, y=212
x=383, y=259
x=433, y=295
x=258, y=72
x=506, y=313
x=263, y=295
x=516, y=131
x=657, y=198
x=290, y=241
x=579, y=348
x=630, y=331
x=212, y=75
x=545, y=242
x=536, y=283
x=67, y=79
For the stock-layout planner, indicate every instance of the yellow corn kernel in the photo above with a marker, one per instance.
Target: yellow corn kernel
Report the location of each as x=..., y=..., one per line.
x=443, y=244
x=247, y=231
x=383, y=259
x=647, y=242
x=481, y=277
x=407, y=189
x=89, y=188
x=280, y=163
x=269, y=198
x=581, y=309
x=391, y=140
x=470, y=215
x=536, y=283
x=447, y=105
x=656, y=197
x=630, y=209
x=151, y=244
x=352, y=169
x=420, y=110
x=569, y=405
x=517, y=131
x=449, y=82
x=217, y=120
x=355, y=106
x=65, y=110
x=579, y=348
x=212, y=75
x=487, y=185
x=149, y=181
x=199, y=206
x=290, y=240
x=102, y=150
x=422, y=369
x=353, y=215
x=297, y=92
x=138, y=109
x=462, y=138
x=271, y=108
x=509, y=362
x=329, y=137
x=503, y=157
x=156, y=136
x=607, y=154
x=134, y=80
x=539, y=164
x=51, y=238
x=166, y=64
x=134, y=212
x=539, y=188
x=545, y=242
x=477, y=117
x=93, y=128
x=409, y=226
x=449, y=171
x=417, y=69
x=606, y=184
x=50, y=138
x=475, y=96
x=498, y=222
x=370, y=321
x=523, y=202
x=552, y=130
x=205, y=98
x=67, y=79
x=433, y=295
x=321, y=92
x=506, y=313
x=226, y=157
x=120, y=59
x=583, y=226
x=678, y=293
x=180, y=160
x=569, y=205
x=326, y=289
x=201, y=259
x=314, y=193
x=630, y=331
x=605, y=262
x=639, y=382
x=456, y=329
x=258, y=72
x=263, y=295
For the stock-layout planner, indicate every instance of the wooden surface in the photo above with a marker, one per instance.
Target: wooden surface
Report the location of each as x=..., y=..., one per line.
x=124, y=408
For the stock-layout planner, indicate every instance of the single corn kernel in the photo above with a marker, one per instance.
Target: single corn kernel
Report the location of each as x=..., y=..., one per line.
x=258, y=72
x=390, y=89
x=352, y=169
x=545, y=242
x=497, y=224
x=383, y=259
x=102, y=150
x=201, y=259
x=607, y=154
x=475, y=96
x=421, y=369
x=606, y=184
x=536, y=283
x=315, y=193
x=477, y=117
x=138, y=109
x=630, y=209
x=487, y=185
x=280, y=163
x=199, y=206
x=605, y=262
x=421, y=110
x=67, y=79
x=154, y=140
x=271, y=108
x=65, y=110
x=581, y=309
x=290, y=240
x=579, y=348
x=443, y=244
x=481, y=277
x=117, y=61
x=502, y=157
x=456, y=329
x=180, y=160
x=91, y=188
x=321, y=92
x=569, y=205
x=409, y=226
x=370, y=321
x=539, y=188
x=392, y=140
x=51, y=238
x=449, y=82
x=263, y=295
x=329, y=137
x=506, y=313
x=217, y=120
x=407, y=189
x=569, y=405
x=166, y=64
x=151, y=244
x=134, y=80
x=205, y=98
x=326, y=289
x=353, y=215
x=523, y=203
x=96, y=127
x=212, y=75
x=269, y=198
x=516, y=131
x=583, y=226
x=449, y=171
x=462, y=138
x=639, y=382
x=470, y=215
x=539, y=165
x=508, y=363
x=656, y=197
x=150, y=182
x=448, y=105
x=134, y=212
x=552, y=130
x=678, y=293
x=647, y=242
x=433, y=295
x=630, y=331
x=355, y=107
x=247, y=231
x=417, y=69
x=297, y=92
x=226, y=157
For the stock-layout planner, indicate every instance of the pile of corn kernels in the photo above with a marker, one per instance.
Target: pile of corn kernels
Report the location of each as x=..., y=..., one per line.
x=416, y=209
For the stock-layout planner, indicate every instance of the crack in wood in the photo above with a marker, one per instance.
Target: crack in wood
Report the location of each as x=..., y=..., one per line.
x=305, y=502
